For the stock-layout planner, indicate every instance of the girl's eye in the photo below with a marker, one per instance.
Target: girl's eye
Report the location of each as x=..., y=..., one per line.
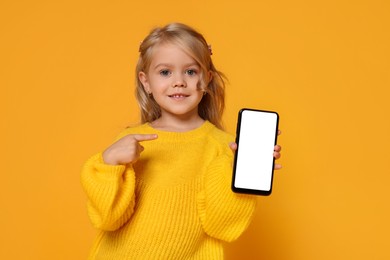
x=191, y=72
x=165, y=72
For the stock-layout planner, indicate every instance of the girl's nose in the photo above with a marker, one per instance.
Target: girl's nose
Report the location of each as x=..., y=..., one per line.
x=179, y=82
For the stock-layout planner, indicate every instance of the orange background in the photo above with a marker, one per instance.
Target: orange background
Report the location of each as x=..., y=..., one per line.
x=66, y=77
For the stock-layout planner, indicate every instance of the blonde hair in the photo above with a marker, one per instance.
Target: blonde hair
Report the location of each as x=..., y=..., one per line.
x=212, y=105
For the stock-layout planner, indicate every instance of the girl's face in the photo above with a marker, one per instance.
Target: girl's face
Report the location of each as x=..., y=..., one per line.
x=173, y=79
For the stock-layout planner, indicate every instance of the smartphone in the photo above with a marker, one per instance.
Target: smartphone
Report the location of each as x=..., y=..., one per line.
x=256, y=137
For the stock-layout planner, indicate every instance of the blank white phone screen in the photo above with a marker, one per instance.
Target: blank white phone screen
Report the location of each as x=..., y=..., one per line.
x=254, y=162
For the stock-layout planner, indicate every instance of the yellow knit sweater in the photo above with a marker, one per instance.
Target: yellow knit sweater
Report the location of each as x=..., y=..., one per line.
x=175, y=202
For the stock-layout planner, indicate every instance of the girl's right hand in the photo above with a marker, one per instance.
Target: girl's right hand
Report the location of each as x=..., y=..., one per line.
x=127, y=149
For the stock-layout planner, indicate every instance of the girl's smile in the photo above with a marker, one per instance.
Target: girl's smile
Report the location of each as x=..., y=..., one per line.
x=178, y=96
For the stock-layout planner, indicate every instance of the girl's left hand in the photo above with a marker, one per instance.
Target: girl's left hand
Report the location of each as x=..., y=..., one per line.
x=277, y=150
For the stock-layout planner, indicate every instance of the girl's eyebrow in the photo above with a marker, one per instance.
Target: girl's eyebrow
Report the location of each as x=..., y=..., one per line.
x=162, y=65
x=191, y=64
x=171, y=65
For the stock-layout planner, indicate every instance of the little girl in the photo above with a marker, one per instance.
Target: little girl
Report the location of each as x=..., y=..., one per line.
x=169, y=198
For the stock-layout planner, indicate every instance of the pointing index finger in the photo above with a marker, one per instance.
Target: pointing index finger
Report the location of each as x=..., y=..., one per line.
x=145, y=137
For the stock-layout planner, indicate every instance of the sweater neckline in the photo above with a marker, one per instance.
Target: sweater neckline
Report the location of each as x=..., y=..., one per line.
x=197, y=132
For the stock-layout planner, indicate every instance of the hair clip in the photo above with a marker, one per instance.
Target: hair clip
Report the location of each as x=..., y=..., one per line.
x=210, y=49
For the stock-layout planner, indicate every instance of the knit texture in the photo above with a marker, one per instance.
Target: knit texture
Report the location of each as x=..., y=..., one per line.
x=175, y=202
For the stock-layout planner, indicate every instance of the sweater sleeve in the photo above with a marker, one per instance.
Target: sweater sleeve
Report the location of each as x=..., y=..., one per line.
x=225, y=215
x=110, y=193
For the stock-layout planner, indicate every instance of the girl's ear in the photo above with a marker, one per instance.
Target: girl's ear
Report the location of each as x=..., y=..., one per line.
x=144, y=80
x=210, y=76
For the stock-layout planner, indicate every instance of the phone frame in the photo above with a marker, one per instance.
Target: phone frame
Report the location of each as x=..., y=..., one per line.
x=248, y=190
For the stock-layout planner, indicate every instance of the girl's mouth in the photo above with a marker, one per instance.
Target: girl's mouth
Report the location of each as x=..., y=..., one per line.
x=178, y=96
